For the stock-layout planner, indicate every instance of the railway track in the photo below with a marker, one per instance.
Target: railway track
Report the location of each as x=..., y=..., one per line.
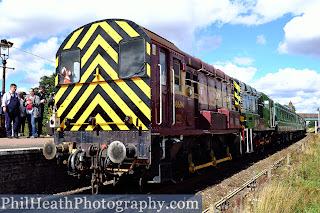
x=192, y=184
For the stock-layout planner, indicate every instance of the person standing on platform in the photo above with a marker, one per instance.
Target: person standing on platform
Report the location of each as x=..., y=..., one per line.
x=41, y=108
x=23, y=113
x=32, y=103
x=11, y=108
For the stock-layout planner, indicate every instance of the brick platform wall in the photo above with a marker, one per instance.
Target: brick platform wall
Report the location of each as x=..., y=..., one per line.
x=26, y=171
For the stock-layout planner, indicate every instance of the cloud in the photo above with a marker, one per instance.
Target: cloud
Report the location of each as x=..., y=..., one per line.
x=243, y=61
x=46, y=18
x=261, y=39
x=244, y=74
x=29, y=68
x=207, y=43
x=263, y=11
x=302, y=87
x=47, y=49
x=302, y=36
x=21, y=89
x=33, y=77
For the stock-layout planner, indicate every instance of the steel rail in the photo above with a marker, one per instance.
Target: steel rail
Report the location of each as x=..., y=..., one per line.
x=221, y=204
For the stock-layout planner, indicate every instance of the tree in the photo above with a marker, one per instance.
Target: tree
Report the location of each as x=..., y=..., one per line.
x=48, y=82
x=311, y=124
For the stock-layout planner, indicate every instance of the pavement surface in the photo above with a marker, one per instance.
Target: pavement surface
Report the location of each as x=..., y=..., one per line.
x=23, y=142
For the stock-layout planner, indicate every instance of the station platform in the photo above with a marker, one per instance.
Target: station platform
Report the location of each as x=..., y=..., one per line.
x=23, y=142
x=24, y=169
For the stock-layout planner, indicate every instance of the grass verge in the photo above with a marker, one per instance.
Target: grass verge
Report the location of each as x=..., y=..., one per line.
x=297, y=187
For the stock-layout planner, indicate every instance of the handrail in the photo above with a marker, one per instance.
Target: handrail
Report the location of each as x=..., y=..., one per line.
x=160, y=91
x=173, y=100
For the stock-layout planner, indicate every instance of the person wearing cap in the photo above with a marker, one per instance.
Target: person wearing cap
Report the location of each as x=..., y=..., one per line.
x=41, y=108
x=11, y=108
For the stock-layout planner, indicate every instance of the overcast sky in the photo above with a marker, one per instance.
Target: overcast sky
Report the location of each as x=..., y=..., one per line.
x=274, y=45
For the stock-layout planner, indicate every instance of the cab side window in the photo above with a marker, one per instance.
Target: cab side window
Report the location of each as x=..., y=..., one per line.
x=177, y=75
x=163, y=68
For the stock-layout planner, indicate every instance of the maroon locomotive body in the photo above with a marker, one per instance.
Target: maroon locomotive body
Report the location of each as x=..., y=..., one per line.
x=134, y=104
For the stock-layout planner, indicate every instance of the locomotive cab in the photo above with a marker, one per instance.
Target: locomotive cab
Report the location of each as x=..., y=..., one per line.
x=103, y=98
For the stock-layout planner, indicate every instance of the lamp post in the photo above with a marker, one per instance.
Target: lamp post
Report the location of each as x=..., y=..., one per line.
x=4, y=53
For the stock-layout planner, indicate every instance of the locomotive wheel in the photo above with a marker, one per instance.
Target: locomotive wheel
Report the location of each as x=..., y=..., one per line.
x=69, y=162
x=75, y=161
x=179, y=168
x=101, y=158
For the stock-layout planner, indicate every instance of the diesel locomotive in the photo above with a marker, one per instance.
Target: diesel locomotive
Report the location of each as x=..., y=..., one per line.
x=130, y=103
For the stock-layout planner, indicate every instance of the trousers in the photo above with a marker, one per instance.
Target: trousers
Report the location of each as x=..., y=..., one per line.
x=9, y=119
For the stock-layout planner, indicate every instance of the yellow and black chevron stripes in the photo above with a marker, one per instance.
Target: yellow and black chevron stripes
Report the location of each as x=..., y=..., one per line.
x=99, y=41
x=98, y=100
x=104, y=96
x=102, y=99
x=127, y=28
x=237, y=97
x=73, y=38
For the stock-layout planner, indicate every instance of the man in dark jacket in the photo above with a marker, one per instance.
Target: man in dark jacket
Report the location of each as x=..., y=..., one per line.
x=41, y=108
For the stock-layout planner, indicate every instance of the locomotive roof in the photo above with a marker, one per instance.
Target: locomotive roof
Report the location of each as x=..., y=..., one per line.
x=163, y=41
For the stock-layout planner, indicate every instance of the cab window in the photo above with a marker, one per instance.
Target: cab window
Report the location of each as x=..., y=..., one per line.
x=177, y=75
x=69, y=71
x=163, y=68
x=132, y=58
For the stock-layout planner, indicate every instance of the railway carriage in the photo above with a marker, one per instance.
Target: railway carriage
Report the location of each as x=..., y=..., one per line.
x=129, y=102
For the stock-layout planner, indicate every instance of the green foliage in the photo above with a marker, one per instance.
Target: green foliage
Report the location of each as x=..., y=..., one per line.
x=311, y=124
x=48, y=82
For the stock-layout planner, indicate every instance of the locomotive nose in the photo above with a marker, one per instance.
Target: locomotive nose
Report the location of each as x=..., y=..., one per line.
x=117, y=151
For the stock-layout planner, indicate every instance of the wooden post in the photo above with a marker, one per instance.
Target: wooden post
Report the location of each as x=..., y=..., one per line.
x=303, y=147
x=269, y=173
x=288, y=159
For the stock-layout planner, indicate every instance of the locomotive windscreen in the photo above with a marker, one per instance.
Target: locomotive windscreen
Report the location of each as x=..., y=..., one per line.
x=132, y=58
x=70, y=67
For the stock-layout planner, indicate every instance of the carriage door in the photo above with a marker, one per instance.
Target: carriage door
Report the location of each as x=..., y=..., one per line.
x=164, y=102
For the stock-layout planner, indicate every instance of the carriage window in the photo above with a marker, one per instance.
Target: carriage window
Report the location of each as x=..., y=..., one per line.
x=69, y=67
x=132, y=58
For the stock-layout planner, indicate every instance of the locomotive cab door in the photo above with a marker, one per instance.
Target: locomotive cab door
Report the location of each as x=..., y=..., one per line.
x=163, y=67
x=178, y=94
